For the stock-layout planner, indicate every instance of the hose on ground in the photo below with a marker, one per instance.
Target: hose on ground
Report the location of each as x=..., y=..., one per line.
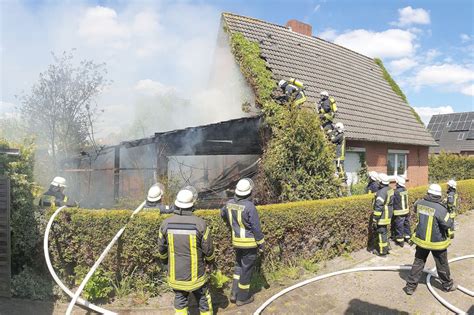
x=384, y=268
x=99, y=260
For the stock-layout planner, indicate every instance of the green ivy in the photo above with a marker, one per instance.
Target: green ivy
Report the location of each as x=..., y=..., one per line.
x=396, y=88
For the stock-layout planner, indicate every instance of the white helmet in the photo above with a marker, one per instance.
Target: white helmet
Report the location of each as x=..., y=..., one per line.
x=339, y=126
x=244, y=187
x=281, y=83
x=59, y=182
x=383, y=178
x=373, y=175
x=452, y=183
x=324, y=93
x=435, y=190
x=400, y=181
x=185, y=198
x=154, y=193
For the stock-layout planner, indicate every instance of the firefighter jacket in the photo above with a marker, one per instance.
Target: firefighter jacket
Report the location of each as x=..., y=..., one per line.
x=433, y=224
x=186, y=241
x=158, y=206
x=383, y=205
x=294, y=94
x=327, y=108
x=372, y=186
x=53, y=198
x=452, y=202
x=400, y=201
x=339, y=140
x=241, y=216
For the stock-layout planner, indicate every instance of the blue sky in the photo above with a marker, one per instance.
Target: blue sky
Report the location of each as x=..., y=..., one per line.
x=158, y=46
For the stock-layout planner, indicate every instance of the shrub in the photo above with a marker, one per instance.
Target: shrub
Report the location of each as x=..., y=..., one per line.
x=445, y=166
x=294, y=232
x=29, y=284
x=99, y=285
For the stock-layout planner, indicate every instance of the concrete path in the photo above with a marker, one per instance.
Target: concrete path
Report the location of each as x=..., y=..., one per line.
x=377, y=292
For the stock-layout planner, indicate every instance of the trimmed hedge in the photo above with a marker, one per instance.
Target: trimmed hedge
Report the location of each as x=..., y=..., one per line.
x=312, y=230
x=445, y=166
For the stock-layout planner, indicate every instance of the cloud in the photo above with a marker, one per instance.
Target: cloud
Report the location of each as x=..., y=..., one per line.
x=431, y=54
x=7, y=109
x=426, y=112
x=468, y=90
x=444, y=74
x=392, y=43
x=409, y=16
x=465, y=38
x=316, y=8
x=153, y=88
x=401, y=65
x=328, y=34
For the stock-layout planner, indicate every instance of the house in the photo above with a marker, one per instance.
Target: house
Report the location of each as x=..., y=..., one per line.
x=453, y=132
x=381, y=129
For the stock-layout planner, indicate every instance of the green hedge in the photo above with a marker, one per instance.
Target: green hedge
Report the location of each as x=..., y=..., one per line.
x=310, y=230
x=445, y=166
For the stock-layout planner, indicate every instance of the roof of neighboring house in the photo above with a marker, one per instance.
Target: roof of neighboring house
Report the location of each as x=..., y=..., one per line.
x=367, y=105
x=453, y=132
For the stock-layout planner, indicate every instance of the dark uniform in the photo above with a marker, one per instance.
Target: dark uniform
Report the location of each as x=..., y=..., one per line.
x=53, y=197
x=293, y=94
x=241, y=216
x=186, y=242
x=431, y=235
x=401, y=213
x=327, y=113
x=383, y=208
x=372, y=187
x=159, y=206
x=452, y=202
x=339, y=140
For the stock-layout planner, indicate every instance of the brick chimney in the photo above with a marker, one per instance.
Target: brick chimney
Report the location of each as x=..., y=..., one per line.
x=300, y=27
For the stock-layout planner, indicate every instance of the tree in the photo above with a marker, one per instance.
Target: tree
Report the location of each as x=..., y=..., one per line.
x=60, y=108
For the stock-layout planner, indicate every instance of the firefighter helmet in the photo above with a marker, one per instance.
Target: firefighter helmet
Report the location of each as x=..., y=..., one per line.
x=435, y=190
x=282, y=83
x=154, y=193
x=339, y=126
x=452, y=183
x=400, y=181
x=324, y=94
x=59, y=182
x=373, y=175
x=383, y=178
x=185, y=199
x=244, y=187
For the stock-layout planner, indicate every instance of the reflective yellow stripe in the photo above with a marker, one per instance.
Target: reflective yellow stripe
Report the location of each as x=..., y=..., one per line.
x=242, y=227
x=261, y=241
x=400, y=212
x=244, y=242
x=377, y=213
x=212, y=257
x=236, y=277
x=194, y=258
x=171, y=262
x=229, y=212
x=430, y=245
x=187, y=285
x=381, y=199
x=160, y=235
x=446, y=218
x=163, y=256
x=244, y=286
x=452, y=214
x=206, y=234
x=382, y=244
x=183, y=311
x=209, y=304
x=429, y=229
x=385, y=221
x=450, y=233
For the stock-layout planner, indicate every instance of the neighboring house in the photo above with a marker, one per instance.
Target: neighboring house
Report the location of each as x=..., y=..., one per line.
x=453, y=132
x=381, y=128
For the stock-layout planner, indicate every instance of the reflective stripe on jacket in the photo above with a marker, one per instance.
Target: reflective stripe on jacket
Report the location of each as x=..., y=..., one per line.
x=186, y=241
x=242, y=217
x=400, y=201
x=383, y=205
x=326, y=109
x=294, y=94
x=52, y=199
x=433, y=224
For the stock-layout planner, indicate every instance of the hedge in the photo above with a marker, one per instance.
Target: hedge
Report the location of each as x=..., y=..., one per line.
x=445, y=166
x=314, y=230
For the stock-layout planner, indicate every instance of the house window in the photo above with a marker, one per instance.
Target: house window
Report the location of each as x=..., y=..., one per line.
x=461, y=136
x=397, y=162
x=449, y=123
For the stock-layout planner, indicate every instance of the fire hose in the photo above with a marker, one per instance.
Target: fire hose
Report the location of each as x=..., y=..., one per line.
x=384, y=268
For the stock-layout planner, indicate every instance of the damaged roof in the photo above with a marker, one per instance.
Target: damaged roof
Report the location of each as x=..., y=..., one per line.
x=367, y=105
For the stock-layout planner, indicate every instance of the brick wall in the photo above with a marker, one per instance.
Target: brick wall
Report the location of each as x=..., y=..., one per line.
x=376, y=159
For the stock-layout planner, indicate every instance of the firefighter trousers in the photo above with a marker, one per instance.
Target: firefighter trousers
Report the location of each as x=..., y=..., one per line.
x=402, y=228
x=442, y=267
x=245, y=260
x=202, y=296
x=381, y=242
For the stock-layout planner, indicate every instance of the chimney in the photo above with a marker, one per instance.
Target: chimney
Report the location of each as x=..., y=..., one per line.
x=300, y=27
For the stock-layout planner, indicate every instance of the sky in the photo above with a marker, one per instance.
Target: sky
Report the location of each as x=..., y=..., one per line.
x=158, y=47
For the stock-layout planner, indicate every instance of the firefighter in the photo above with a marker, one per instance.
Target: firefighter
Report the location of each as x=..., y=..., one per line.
x=153, y=199
x=373, y=185
x=383, y=208
x=327, y=111
x=241, y=216
x=185, y=245
x=55, y=196
x=293, y=92
x=452, y=198
x=431, y=235
x=401, y=212
x=339, y=140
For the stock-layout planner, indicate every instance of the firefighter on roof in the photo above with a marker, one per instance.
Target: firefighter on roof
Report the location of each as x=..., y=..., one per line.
x=293, y=92
x=185, y=243
x=327, y=109
x=339, y=140
x=241, y=216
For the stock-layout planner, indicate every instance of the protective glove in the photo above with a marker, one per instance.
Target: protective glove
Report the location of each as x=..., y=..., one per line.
x=374, y=224
x=261, y=248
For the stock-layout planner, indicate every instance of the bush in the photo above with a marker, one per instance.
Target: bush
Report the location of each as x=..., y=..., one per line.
x=30, y=284
x=305, y=230
x=445, y=166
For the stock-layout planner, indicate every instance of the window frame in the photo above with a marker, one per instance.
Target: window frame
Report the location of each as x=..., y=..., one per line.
x=398, y=153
